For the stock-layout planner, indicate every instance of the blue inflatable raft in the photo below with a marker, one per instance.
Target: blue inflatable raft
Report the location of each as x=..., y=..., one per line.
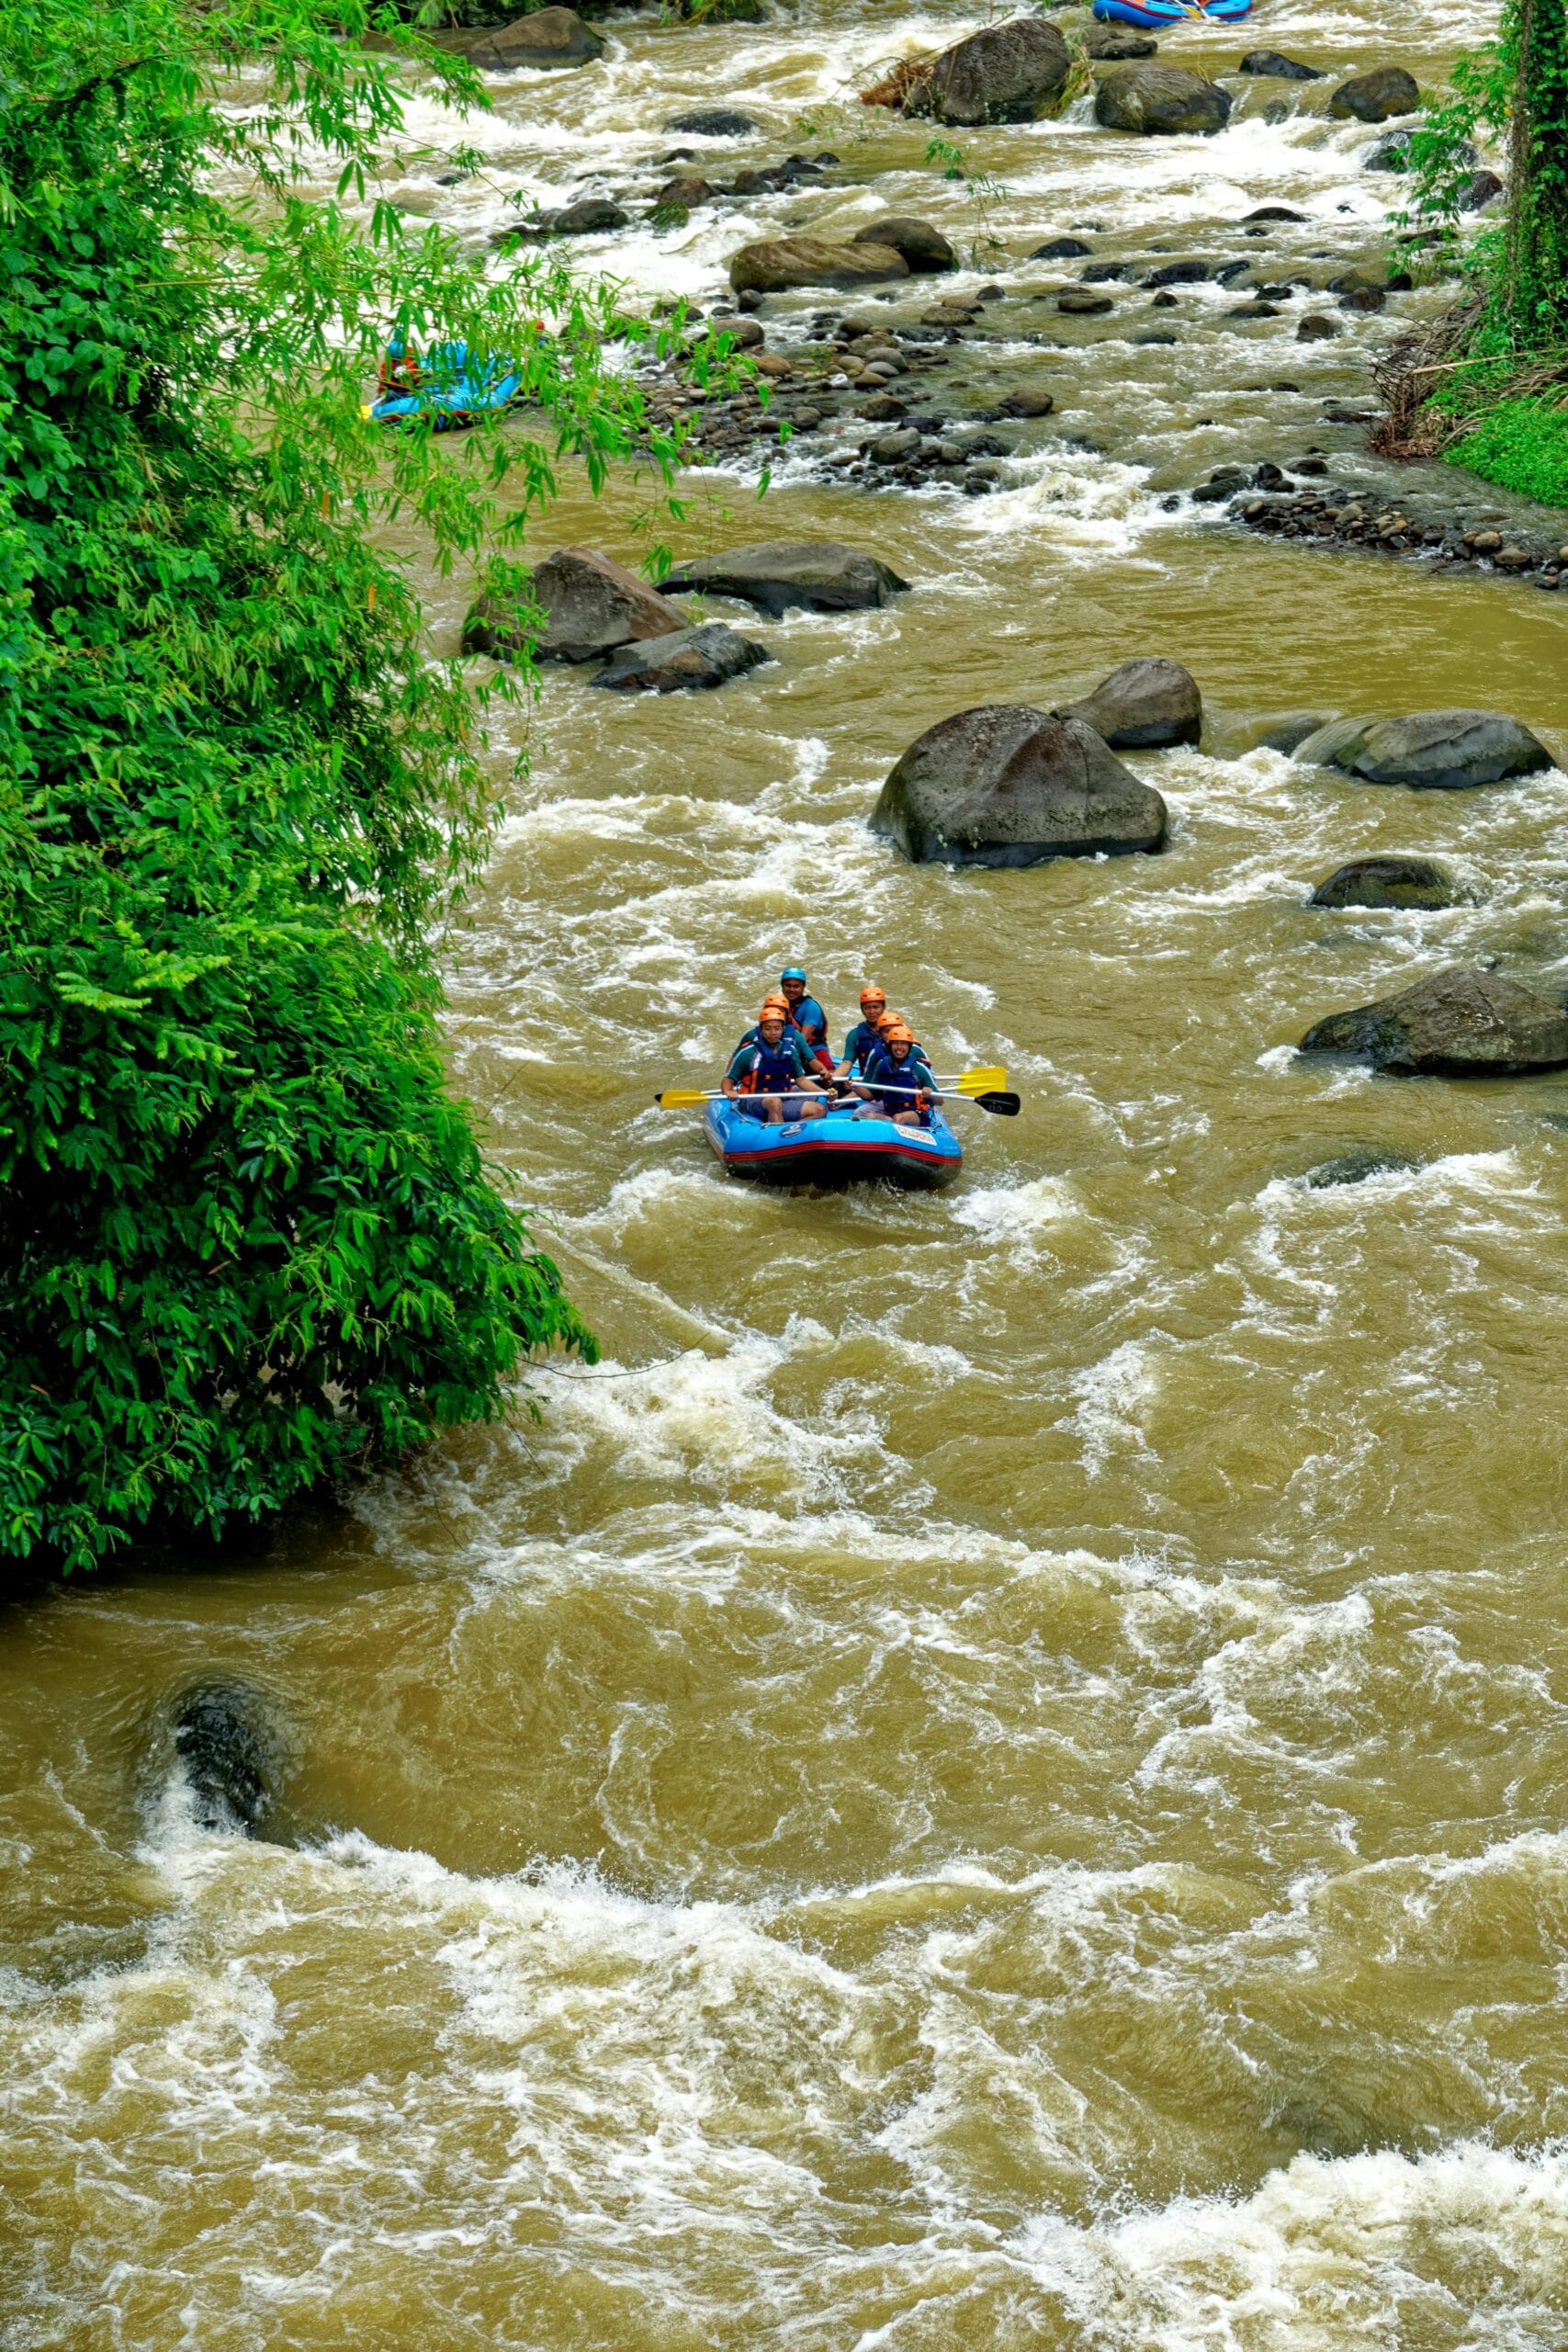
x=448, y=385
x=1160, y=15
x=834, y=1150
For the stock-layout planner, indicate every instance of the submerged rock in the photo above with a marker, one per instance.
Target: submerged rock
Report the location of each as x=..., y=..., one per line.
x=689, y=659
x=1060, y=249
x=1456, y=1023
x=1166, y=99
x=1480, y=190
x=1288, y=733
x=590, y=216
x=682, y=194
x=1431, y=750
x=1355, y=1168
x=1007, y=72
x=1388, y=881
x=1008, y=785
x=592, y=605
x=1374, y=96
x=925, y=249
x=548, y=38
x=713, y=122
x=1389, y=151
x=1030, y=400
x=773, y=264
x=1272, y=66
x=228, y=1755
x=820, y=575
x=1116, y=44
x=1145, y=704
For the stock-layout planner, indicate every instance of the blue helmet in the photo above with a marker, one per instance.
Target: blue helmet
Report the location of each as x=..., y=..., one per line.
x=793, y=972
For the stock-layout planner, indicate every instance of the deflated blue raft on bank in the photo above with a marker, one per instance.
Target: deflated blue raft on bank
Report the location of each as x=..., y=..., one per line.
x=1159, y=16
x=834, y=1150
x=448, y=385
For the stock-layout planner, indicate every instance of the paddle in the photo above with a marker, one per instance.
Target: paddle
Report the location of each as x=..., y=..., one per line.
x=970, y=1083
x=1000, y=1106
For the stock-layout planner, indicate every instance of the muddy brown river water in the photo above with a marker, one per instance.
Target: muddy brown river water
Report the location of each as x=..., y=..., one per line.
x=996, y=1776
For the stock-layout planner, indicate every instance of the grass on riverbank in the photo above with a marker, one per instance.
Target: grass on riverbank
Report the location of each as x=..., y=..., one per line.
x=1522, y=444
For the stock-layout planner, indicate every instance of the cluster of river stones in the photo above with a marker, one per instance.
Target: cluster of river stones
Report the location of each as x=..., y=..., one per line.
x=882, y=371
x=1011, y=785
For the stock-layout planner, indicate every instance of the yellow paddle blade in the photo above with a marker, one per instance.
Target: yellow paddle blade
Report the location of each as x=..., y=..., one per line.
x=979, y=1081
x=680, y=1098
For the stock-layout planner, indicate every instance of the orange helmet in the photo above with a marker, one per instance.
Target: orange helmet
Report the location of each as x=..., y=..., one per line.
x=884, y=1017
x=896, y=1033
x=873, y=995
x=773, y=1009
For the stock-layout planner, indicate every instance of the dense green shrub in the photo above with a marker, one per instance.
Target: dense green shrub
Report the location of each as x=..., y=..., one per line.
x=246, y=1239
x=1522, y=445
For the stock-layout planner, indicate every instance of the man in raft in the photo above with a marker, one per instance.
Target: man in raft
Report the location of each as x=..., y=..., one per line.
x=806, y=1014
x=864, y=1038
x=899, y=1083
x=773, y=1075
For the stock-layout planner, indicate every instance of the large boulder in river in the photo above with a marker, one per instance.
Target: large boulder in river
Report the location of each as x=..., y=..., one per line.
x=548, y=38
x=1431, y=750
x=821, y=575
x=1457, y=1022
x=691, y=658
x=1002, y=73
x=592, y=603
x=923, y=248
x=1388, y=882
x=1373, y=98
x=773, y=264
x=1008, y=785
x=1143, y=705
x=1163, y=98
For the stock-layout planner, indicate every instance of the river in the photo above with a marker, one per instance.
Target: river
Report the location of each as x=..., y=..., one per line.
x=996, y=1776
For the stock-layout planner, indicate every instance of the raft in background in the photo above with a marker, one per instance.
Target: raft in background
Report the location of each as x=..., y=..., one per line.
x=1159, y=16
x=448, y=385
x=836, y=1149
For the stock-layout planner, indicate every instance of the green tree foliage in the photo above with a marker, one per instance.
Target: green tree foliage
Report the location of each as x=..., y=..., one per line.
x=1516, y=88
x=1484, y=384
x=247, y=1242
x=1535, y=281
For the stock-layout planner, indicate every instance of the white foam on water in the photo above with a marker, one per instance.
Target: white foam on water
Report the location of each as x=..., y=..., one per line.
x=1114, y=1394
x=1087, y=504
x=1018, y=1213
x=1326, y=2255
